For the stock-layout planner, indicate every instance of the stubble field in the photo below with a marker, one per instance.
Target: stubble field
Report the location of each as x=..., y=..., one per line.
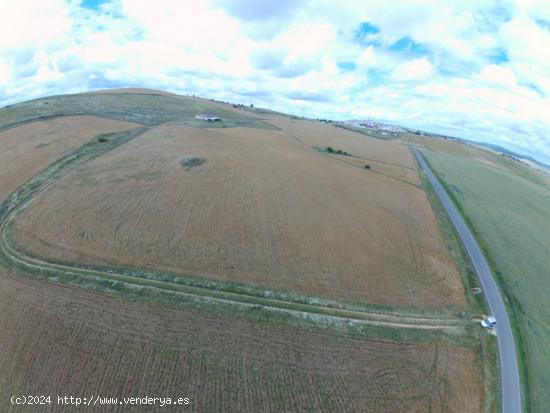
x=66, y=341
x=265, y=209
x=30, y=148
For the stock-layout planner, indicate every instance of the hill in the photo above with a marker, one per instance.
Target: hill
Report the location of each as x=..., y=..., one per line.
x=149, y=252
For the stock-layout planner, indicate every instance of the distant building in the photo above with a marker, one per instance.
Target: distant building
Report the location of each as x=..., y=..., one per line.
x=209, y=118
x=373, y=125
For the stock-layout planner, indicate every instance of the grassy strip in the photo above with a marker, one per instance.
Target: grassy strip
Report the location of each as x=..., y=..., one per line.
x=217, y=294
x=251, y=299
x=18, y=122
x=248, y=293
x=150, y=291
x=83, y=154
x=513, y=305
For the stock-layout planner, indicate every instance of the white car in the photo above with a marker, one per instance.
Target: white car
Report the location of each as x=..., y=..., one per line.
x=489, y=322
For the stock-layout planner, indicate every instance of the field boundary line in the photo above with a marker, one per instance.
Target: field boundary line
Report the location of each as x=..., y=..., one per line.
x=25, y=194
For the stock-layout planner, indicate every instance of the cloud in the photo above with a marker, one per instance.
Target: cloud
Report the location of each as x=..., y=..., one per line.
x=309, y=96
x=36, y=24
x=417, y=69
x=5, y=72
x=476, y=68
x=525, y=42
x=498, y=75
x=255, y=10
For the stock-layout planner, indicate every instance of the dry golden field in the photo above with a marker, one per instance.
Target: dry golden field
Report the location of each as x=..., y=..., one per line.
x=65, y=341
x=28, y=149
x=266, y=209
x=389, y=158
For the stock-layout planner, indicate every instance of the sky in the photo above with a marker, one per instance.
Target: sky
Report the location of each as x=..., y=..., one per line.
x=473, y=69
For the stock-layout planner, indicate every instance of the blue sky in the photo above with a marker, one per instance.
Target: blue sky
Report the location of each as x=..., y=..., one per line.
x=475, y=69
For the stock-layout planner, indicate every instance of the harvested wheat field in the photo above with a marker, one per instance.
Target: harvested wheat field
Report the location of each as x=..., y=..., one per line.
x=254, y=200
x=385, y=157
x=65, y=341
x=29, y=148
x=265, y=208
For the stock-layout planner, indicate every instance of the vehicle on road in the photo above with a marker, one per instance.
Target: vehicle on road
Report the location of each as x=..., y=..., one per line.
x=489, y=322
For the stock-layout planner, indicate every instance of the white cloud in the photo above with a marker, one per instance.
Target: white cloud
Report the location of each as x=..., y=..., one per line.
x=498, y=75
x=5, y=73
x=527, y=43
x=417, y=69
x=476, y=68
x=258, y=11
x=32, y=23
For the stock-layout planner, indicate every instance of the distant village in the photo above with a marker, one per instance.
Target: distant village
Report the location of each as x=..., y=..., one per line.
x=384, y=128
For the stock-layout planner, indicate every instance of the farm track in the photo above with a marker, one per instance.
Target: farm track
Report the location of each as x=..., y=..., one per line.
x=12, y=256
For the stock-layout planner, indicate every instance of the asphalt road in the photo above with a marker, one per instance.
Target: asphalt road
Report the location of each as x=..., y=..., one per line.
x=511, y=397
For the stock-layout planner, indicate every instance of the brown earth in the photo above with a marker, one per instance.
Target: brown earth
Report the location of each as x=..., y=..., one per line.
x=62, y=340
x=66, y=341
x=265, y=209
x=30, y=148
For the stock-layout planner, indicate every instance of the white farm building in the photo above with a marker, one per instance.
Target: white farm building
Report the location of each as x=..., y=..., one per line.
x=205, y=116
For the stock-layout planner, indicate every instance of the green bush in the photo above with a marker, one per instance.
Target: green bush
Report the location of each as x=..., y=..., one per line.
x=192, y=161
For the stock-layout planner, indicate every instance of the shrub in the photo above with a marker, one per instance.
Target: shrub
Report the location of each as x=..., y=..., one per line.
x=192, y=161
x=331, y=150
x=367, y=166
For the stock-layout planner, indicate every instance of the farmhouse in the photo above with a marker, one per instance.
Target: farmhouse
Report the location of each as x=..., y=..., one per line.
x=209, y=118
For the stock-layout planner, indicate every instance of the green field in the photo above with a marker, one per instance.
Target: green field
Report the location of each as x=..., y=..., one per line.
x=510, y=215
